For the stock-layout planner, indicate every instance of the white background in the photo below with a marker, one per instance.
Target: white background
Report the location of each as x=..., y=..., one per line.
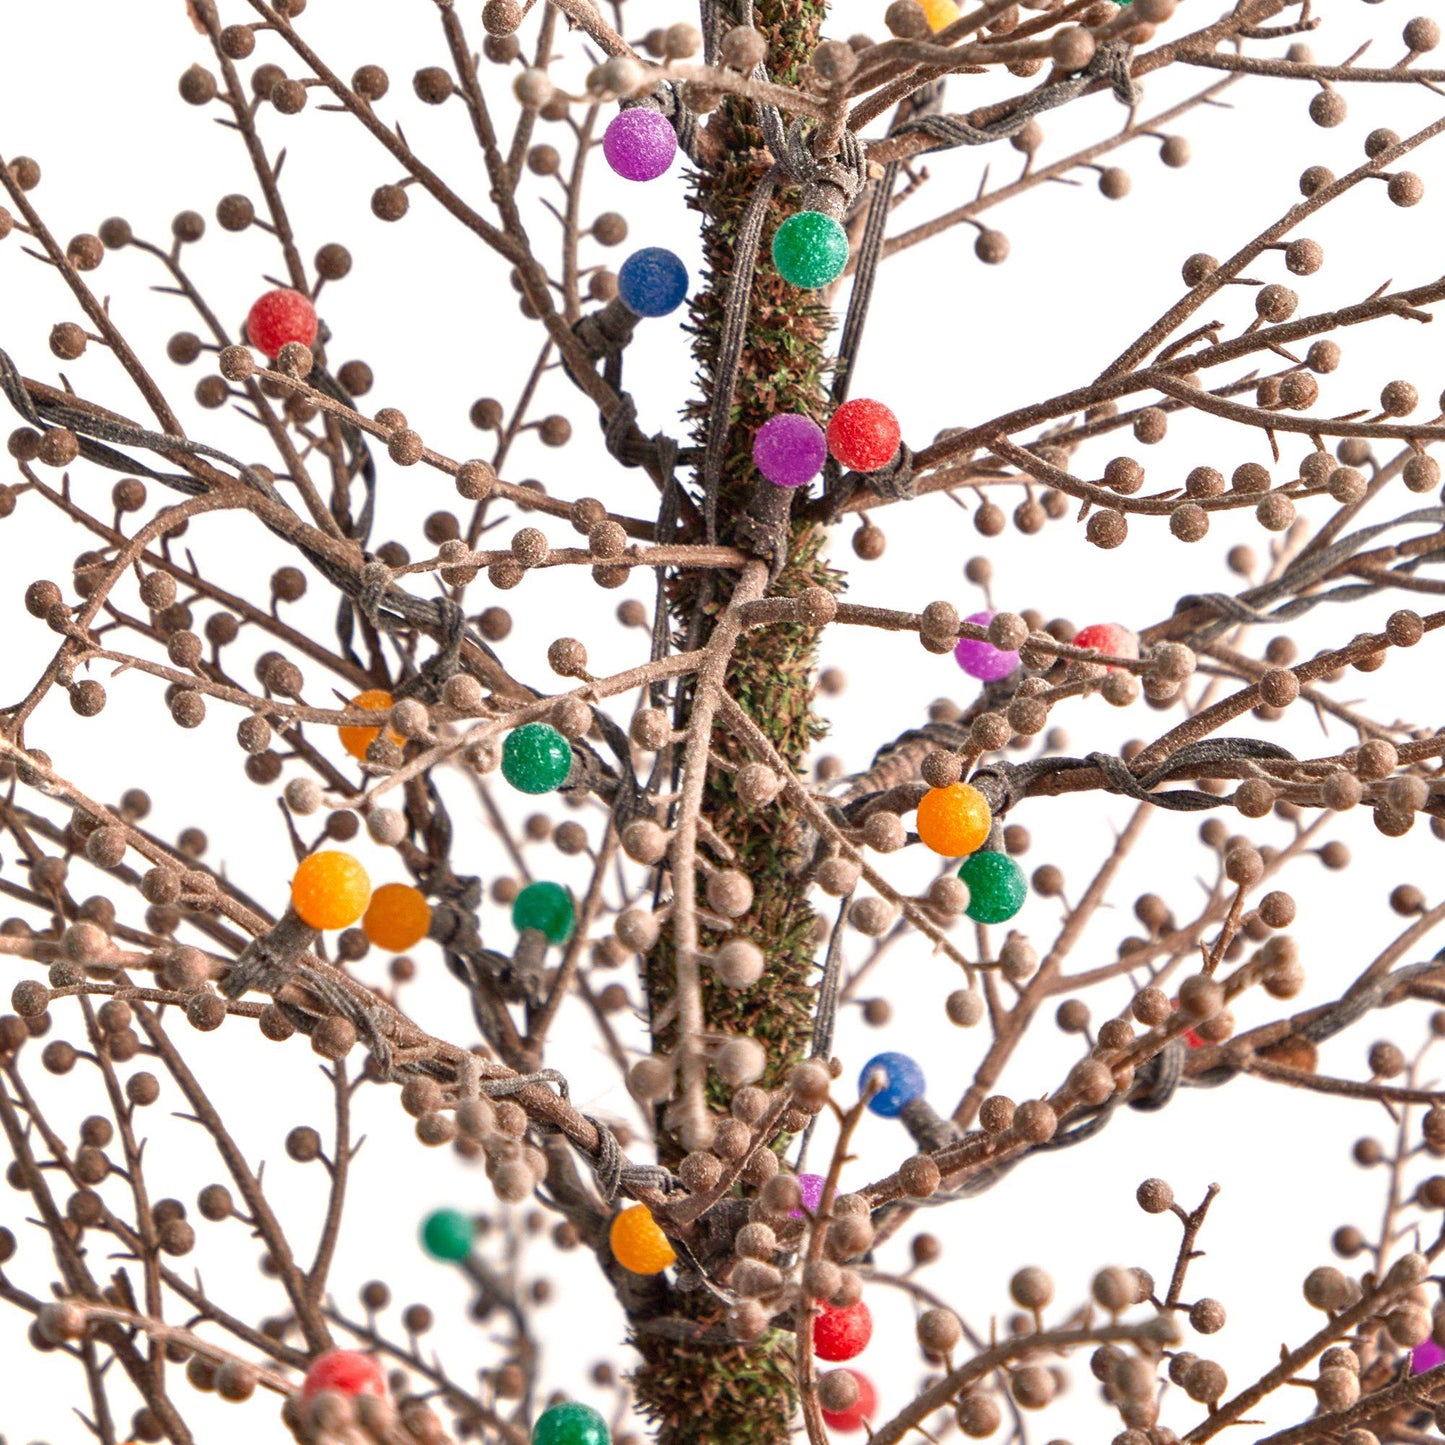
x=89, y=89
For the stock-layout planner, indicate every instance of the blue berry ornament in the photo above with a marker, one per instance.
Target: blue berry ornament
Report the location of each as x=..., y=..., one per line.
x=536, y=758
x=904, y=1083
x=810, y=250
x=652, y=281
x=570, y=1423
x=997, y=887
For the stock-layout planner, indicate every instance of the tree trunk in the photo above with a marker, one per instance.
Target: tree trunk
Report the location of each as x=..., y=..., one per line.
x=712, y=1390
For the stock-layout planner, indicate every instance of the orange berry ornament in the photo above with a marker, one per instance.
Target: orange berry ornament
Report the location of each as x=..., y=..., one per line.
x=637, y=1242
x=330, y=890
x=357, y=740
x=397, y=918
x=940, y=13
x=954, y=821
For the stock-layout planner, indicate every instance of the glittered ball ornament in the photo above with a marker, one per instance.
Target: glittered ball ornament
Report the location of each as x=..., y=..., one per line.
x=864, y=435
x=639, y=144
x=447, y=1234
x=536, y=758
x=652, y=282
x=810, y=1186
x=356, y=740
x=790, y=449
x=397, y=918
x=997, y=887
x=330, y=889
x=1108, y=638
x=547, y=907
x=638, y=1244
x=954, y=820
x=810, y=249
x=1426, y=1356
x=1191, y=1039
x=864, y=1408
x=982, y=659
x=841, y=1334
x=278, y=317
x=344, y=1372
x=940, y=13
x=570, y=1423
x=902, y=1083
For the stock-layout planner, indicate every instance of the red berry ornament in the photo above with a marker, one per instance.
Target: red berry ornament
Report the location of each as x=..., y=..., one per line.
x=864, y=435
x=346, y=1372
x=278, y=317
x=1109, y=638
x=1191, y=1039
x=862, y=1409
x=842, y=1334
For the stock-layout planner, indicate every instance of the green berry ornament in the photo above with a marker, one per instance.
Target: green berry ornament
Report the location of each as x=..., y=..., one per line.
x=570, y=1424
x=547, y=906
x=536, y=758
x=996, y=887
x=810, y=250
x=447, y=1234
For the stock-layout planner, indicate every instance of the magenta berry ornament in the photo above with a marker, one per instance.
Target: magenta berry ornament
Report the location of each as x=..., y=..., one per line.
x=810, y=1186
x=639, y=144
x=982, y=659
x=790, y=449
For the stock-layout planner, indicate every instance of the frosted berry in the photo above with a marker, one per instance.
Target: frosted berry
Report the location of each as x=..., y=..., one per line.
x=903, y=1083
x=330, y=890
x=546, y=906
x=278, y=317
x=840, y=1334
x=536, y=758
x=954, y=820
x=447, y=1234
x=357, y=740
x=1109, y=638
x=652, y=282
x=862, y=1409
x=982, y=659
x=940, y=13
x=637, y=1242
x=346, y=1372
x=639, y=144
x=810, y=1186
x=570, y=1424
x=997, y=887
x=810, y=250
x=864, y=435
x=790, y=449
x=397, y=918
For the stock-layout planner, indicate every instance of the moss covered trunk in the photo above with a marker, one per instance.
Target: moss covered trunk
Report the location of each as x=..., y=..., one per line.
x=709, y=1390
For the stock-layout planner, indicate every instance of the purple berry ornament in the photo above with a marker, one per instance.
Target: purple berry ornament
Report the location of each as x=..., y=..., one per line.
x=790, y=449
x=639, y=144
x=810, y=1186
x=982, y=659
